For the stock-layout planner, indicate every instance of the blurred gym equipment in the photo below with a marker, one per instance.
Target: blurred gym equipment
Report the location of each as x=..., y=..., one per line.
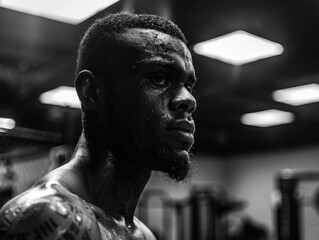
x=7, y=177
x=296, y=204
x=203, y=215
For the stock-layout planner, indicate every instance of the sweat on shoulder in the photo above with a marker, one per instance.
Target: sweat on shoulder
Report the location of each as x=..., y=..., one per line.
x=134, y=77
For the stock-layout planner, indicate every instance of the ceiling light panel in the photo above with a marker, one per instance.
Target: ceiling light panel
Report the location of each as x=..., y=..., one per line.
x=299, y=95
x=267, y=118
x=7, y=124
x=238, y=48
x=61, y=96
x=70, y=11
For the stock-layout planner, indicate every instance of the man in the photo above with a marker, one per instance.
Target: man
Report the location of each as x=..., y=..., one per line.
x=135, y=78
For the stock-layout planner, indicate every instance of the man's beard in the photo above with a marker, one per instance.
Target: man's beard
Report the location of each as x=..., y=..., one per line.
x=136, y=143
x=176, y=165
x=139, y=148
x=146, y=153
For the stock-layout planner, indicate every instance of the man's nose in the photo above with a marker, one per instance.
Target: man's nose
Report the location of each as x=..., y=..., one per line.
x=183, y=101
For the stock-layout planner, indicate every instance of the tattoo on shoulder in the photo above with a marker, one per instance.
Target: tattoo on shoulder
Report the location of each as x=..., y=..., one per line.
x=57, y=216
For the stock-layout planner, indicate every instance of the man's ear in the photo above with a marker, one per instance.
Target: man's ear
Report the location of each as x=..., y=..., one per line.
x=88, y=89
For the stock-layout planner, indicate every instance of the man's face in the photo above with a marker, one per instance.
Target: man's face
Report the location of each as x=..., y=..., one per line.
x=150, y=103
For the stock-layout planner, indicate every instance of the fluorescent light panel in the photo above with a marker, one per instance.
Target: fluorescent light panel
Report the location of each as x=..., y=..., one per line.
x=299, y=95
x=267, y=118
x=61, y=96
x=70, y=11
x=6, y=124
x=238, y=48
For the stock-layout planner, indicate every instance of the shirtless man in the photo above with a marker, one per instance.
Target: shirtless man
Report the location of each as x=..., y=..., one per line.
x=135, y=78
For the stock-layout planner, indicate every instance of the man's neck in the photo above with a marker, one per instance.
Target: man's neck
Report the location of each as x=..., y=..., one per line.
x=113, y=184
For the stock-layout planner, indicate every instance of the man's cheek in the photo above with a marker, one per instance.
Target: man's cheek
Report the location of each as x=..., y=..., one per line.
x=149, y=110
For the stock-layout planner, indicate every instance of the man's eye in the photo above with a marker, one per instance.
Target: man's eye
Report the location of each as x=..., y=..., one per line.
x=159, y=80
x=190, y=88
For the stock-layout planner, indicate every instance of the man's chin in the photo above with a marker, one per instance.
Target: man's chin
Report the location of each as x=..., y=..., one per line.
x=175, y=163
x=178, y=166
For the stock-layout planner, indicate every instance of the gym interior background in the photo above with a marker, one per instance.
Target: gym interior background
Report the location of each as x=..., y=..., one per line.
x=234, y=152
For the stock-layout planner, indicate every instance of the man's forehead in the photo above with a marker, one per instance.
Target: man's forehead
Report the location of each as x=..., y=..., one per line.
x=150, y=40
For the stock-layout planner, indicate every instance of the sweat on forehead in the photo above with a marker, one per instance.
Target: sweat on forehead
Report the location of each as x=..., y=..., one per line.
x=148, y=40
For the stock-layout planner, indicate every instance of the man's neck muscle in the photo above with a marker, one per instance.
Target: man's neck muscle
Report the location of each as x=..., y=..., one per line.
x=114, y=185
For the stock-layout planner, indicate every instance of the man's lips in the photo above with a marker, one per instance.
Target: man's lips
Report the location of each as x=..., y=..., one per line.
x=185, y=126
x=182, y=133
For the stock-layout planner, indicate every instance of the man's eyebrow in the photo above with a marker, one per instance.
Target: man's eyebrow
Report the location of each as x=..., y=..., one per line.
x=165, y=63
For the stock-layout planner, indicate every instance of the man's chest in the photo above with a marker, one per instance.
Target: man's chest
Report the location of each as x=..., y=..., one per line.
x=111, y=230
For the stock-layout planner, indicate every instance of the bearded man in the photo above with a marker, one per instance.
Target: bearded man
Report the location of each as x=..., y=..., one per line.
x=134, y=77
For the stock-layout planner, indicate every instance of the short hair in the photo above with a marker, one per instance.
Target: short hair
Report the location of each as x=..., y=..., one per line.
x=102, y=35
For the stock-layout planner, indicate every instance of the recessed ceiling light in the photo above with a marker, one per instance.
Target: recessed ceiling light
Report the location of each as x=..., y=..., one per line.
x=6, y=124
x=70, y=11
x=61, y=96
x=299, y=95
x=267, y=118
x=238, y=48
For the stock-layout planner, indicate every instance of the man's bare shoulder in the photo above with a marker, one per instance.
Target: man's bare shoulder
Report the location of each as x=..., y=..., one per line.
x=48, y=211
